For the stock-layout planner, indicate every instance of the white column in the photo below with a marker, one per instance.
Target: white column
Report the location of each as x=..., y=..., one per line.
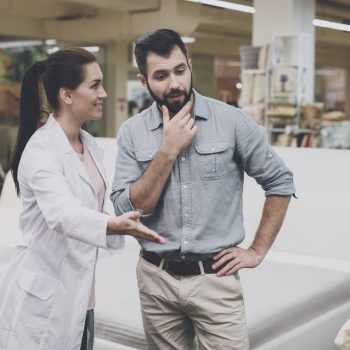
x=116, y=84
x=347, y=93
x=287, y=17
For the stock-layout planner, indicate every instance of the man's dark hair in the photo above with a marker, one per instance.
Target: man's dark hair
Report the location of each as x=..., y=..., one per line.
x=160, y=42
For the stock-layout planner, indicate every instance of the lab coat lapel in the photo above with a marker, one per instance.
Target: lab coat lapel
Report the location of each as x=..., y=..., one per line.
x=96, y=153
x=61, y=140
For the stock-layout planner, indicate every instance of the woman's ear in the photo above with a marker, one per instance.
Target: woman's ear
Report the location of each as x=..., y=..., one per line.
x=65, y=96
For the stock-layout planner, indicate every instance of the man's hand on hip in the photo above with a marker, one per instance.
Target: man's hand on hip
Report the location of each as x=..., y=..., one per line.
x=236, y=258
x=275, y=208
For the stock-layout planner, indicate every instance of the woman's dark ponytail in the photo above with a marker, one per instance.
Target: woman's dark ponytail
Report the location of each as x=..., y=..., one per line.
x=63, y=68
x=29, y=114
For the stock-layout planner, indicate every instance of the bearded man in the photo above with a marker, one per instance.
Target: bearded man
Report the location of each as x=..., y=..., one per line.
x=182, y=162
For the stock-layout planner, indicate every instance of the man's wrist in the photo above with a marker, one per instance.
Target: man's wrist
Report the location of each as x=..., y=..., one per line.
x=260, y=253
x=168, y=153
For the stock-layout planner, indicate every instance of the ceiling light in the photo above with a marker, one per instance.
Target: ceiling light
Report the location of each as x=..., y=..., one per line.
x=92, y=48
x=188, y=39
x=251, y=9
x=226, y=5
x=19, y=44
x=50, y=42
x=52, y=50
x=325, y=72
x=331, y=25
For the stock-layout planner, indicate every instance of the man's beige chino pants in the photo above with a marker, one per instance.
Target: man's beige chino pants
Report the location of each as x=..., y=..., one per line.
x=176, y=309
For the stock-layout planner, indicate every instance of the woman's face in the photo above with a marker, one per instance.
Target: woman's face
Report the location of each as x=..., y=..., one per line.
x=88, y=97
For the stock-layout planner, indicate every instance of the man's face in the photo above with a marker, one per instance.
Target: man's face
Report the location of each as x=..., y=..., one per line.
x=169, y=79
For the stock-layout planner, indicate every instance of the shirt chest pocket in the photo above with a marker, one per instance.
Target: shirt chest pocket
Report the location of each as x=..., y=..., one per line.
x=145, y=157
x=213, y=157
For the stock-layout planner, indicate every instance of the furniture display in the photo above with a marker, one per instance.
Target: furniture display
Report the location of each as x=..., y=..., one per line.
x=298, y=298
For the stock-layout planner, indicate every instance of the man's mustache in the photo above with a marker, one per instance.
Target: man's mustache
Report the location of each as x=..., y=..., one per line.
x=175, y=93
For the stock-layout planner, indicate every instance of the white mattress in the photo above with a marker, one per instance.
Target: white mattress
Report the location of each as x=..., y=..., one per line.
x=117, y=311
x=279, y=296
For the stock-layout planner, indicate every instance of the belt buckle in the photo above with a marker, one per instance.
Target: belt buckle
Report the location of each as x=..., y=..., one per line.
x=169, y=264
x=167, y=269
x=173, y=267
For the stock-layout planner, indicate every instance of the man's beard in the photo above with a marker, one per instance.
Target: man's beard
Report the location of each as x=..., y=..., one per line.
x=173, y=107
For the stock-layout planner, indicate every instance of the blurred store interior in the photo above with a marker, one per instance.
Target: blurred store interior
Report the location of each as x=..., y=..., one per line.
x=287, y=62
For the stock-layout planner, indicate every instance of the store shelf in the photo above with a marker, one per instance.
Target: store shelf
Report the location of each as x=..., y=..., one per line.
x=286, y=64
x=288, y=71
x=293, y=129
x=254, y=71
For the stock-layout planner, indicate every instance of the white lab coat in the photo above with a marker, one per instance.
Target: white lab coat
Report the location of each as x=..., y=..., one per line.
x=45, y=290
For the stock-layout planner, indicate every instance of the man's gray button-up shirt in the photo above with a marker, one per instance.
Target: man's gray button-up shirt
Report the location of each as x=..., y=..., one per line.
x=200, y=209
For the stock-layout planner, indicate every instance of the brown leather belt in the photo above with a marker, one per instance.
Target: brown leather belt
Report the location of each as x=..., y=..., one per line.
x=181, y=267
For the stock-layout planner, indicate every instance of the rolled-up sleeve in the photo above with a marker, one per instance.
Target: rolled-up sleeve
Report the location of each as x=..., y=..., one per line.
x=127, y=171
x=259, y=159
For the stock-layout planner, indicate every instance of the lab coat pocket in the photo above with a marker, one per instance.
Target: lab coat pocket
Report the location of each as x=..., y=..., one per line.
x=37, y=298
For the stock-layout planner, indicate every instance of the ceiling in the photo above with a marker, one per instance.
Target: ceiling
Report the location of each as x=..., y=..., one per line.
x=217, y=30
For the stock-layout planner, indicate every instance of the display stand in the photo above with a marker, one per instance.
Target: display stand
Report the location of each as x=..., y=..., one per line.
x=287, y=86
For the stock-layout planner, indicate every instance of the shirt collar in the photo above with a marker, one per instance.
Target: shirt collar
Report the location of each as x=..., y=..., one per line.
x=200, y=110
x=156, y=117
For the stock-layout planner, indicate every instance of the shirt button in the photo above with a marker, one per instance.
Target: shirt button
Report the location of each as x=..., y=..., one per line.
x=185, y=242
x=213, y=148
x=213, y=169
x=183, y=159
x=270, y=155
x=185, y=186
x=186, y=215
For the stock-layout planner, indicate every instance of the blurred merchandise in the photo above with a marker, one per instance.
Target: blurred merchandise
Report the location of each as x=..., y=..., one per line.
x=255, y=81
x=257, y=112
x=311, y=114
x=336, y=134
x=334, y=116
x=284, y=83
x=281, y=109
x=249, y=56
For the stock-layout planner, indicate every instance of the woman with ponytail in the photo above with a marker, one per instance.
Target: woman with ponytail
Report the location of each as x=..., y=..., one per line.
x=47, y=291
